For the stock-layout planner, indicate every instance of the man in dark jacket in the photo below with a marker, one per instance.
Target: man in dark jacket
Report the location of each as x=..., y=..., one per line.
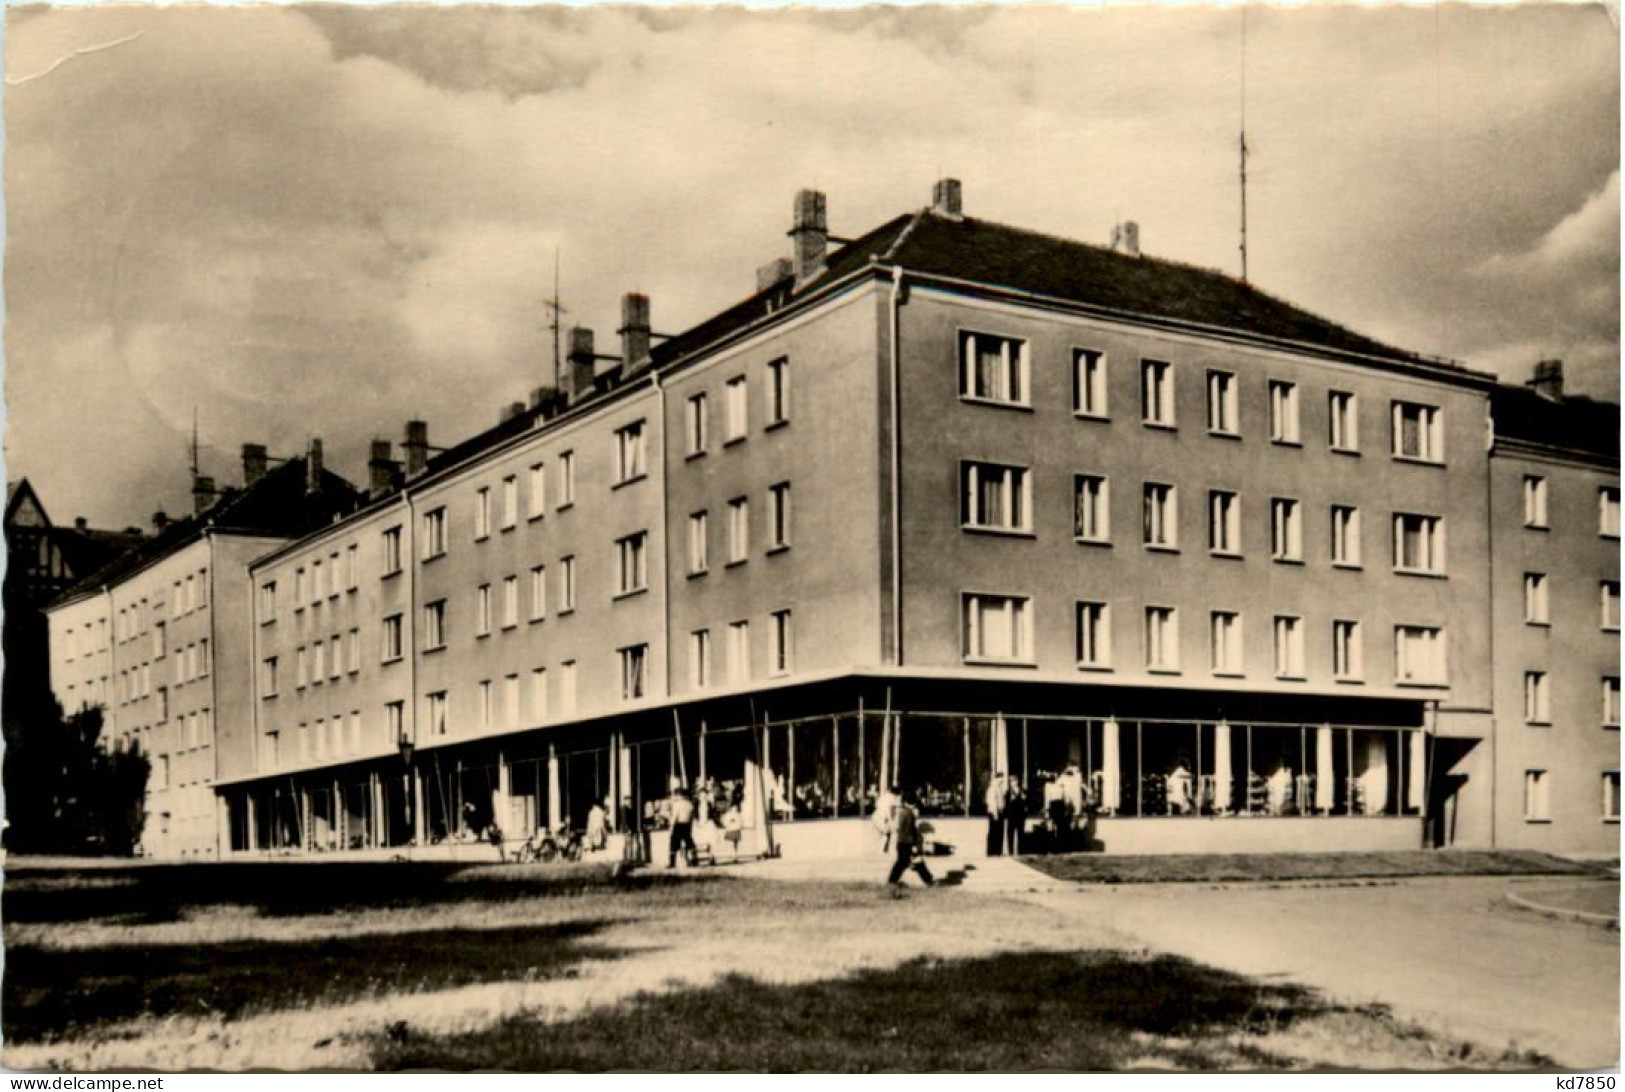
x=909, y=842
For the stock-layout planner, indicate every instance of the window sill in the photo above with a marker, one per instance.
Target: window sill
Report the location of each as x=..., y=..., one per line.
x=1291, y=678
x=390, y=575
x=628, y=594
x=1277, y=441
x=633, y=480
x=1287, y=560
x=1163, y=671
x=482, y=636
x=1159, y=548
x=483, y=538
x=1417, y=460
x=1001, y=532
x=781, y=548
x=1422, y=684
x=538, y=619
x=1223, y=434
x=507, y=529
x=1354, y=451
x=995, y=403
x=436, y=648
x=774, y=426
x=1537, y=724
x=1091, y=541
x=733, y=442
x=1610, y=536
x=566, y=612
x=533, y=518
x=735, y=564
x=1537, y=624
x=1081, y=415
x=692, y=455
x=508, y=627
x=1161, y=426
x=1094, y=667
x=697, y=573
x=988, y=661
x=1533, y=819
x=434, y=557
x=1229, y=674
x=1228, y=555
x=1348, y=680
x=1348, y=566
x=1425, y=573
x=565, y=507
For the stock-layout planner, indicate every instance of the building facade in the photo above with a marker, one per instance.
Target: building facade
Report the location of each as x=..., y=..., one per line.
x=946, y=501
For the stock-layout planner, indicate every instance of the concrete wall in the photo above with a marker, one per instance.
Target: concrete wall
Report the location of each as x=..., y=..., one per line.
x=1574, y=650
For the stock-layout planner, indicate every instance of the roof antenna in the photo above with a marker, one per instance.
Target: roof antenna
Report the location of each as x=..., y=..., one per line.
x=194, y=444
x=1244, y=144
x=555, y=310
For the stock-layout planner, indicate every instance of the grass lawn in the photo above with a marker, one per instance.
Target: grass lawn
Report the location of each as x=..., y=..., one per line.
x=391, y=966
x=1283, y=867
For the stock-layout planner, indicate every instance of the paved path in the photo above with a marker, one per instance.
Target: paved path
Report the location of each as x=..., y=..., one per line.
x=1451, y=953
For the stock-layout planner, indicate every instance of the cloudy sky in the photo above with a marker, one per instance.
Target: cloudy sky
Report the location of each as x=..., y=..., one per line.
x=326, y=221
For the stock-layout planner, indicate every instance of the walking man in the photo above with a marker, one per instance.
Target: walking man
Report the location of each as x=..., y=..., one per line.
x=909, y=842
x=682, y=828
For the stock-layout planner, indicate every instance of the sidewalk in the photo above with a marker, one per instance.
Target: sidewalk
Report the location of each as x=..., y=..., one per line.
x=991, y=875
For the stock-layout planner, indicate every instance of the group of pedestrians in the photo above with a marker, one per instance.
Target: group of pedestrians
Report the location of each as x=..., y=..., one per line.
x=1006, y=814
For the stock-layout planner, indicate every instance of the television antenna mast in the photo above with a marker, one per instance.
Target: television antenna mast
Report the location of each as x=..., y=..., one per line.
x=1243, y=144
x=555, y=311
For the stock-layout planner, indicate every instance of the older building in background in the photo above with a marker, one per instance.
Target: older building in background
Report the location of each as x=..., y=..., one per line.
x=159, y=636
x=948, y=500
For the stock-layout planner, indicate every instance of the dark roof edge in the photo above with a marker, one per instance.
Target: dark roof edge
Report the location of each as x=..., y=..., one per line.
x=92, y=587
x=1450, y=372
x=1515, y=445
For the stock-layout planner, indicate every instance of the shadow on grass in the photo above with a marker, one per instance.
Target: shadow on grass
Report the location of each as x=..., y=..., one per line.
x=1284, y=867
x=1017, y=1011
x=56, y=995
x=154, y=894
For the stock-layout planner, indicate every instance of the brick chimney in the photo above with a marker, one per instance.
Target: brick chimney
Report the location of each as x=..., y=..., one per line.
x=509, y=412
x=1548, y=380
x=160, y=521
x=634, y=333
x=255, y=463
x=80, y=523
x=416, y=447
x=945, y=199
x=773, y=273
x=809, y=234
x=1126, y=238
x=381, y=469
x=578, y=366
x=313, y=467
x=203, y=493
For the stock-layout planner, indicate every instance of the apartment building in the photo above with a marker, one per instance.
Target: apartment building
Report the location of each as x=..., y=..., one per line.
x=158, y=638
x=1554, y=527
x=949, y=499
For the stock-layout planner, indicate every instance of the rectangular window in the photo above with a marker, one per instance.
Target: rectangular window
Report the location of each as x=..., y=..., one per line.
x=1222, y=411
x=352, y=567
x=267, y=603
x=1419, y=654
x=510, y=602
x=699, y=542
x=738, y=651
x=998, y=627
x=1610, y=701
x=567, y=479
x=298, y=592
x=735, y=410
x=318, y=662
x=334, y=576
x=992, y=368
x=1346, y=536
x=510, y=502
x=629, y=453
x=538, y=593
x=1286, y=530
x=1161, y=639
x=738, y=530
x=567, y=584
x=1534, y=501
x=510, y=701
x=1348, y=661
x=778, y=516
x=1157, y=392
x=778, y=392
x=699, y=659
x=994, y=497
x=1610, y=796
x=779, y=643
x=1226, y=640
x=1223, y=522
x=301, y=676
x=696, y=424
x=268, y=685
x=634, y=563
x=482, y=611
x=1091, y=509
x=438, y=721
x=434, y=625
x=1089, y=383
x=1344, y=421
x=1288, y=647
x=1161, y=516
x=394, y=643
x=1608, y=511
x=1537, y=698
x=434, y=533
x=391, y=552
x=1418, y=432
x=482, y=513
x=1537, y=801
x=1284, y=412
x=1094, y=637
x=1418, y=543
x=1536, y=610
x=538, y=695
x=335, y=657
x=538, y=490
x=567, y=687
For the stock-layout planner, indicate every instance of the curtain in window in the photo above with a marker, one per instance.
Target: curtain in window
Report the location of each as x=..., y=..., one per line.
x=1325, y=783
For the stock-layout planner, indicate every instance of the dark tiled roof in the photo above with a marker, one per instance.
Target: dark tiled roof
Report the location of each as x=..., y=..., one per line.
x=1574, y=424
x=275, y=505
x=88, y=550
